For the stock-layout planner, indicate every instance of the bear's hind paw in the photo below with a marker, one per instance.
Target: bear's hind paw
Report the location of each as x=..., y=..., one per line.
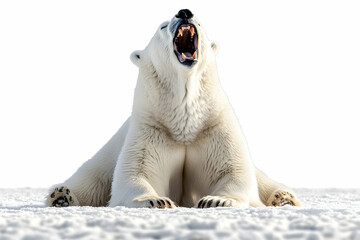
x=62, y=197
x=281, y=198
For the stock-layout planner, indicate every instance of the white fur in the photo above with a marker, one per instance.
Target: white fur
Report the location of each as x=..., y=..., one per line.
x=182, y=142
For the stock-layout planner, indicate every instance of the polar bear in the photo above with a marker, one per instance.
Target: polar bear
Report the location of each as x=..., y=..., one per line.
x=182, y=145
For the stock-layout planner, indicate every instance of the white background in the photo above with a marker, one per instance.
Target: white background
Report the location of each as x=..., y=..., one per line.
x=291, y=70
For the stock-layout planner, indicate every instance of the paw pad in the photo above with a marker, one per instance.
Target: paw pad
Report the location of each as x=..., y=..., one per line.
x=61, y=197
x=61, y=202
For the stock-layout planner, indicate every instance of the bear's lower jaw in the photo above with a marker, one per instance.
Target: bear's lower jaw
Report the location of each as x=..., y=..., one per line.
x=187, y=62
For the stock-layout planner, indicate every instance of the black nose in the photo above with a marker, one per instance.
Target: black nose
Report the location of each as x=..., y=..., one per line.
x=184, y=14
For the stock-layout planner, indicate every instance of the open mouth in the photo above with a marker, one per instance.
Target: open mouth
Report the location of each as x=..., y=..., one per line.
x=186, y=43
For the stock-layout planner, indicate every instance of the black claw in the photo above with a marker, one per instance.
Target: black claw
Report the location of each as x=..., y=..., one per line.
x=70, y=199
x=67, y=191
x=168, y=202
x=52, y=195
x=200, y=203
x=158, y=202
x=223, y=204
x=204, y=203
x=209, y=203
x=217, y=203
x=162, y=201
x=276, y=195
x=151, y=203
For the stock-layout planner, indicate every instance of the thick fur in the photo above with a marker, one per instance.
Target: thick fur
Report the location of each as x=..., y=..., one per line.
x=182, y=144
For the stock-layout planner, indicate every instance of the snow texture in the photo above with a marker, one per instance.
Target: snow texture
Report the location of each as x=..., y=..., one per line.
x=326, y=214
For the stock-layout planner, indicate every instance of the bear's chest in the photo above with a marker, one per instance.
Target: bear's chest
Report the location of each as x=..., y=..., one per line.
x=185, y=121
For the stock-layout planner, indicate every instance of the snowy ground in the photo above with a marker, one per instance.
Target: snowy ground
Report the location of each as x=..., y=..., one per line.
x=326, y=214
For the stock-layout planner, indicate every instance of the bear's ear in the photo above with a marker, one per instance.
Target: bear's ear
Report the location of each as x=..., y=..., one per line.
x=214, y=47
x=135, y=57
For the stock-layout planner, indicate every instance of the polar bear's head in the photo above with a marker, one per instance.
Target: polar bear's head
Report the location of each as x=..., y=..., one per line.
x=178, y=45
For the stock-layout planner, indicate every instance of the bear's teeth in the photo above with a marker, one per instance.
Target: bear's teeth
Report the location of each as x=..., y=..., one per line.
x=183, y=56
x=192, y=31
x=188, y=28
x=180, y=33
x=194, y=55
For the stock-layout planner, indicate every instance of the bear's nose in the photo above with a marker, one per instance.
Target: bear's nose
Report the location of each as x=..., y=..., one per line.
x=184, y=14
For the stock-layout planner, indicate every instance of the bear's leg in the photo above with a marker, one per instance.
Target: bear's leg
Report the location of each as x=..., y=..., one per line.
x=90, y=185
x=149, y=170
x=273, y=193
x=225, y=175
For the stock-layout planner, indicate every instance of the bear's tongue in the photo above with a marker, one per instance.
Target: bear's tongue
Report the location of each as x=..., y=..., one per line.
x=185, y=43
x=187, y=54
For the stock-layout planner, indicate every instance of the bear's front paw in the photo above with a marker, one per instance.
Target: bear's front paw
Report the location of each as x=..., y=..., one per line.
x=280, y=198
x=218, y=201
x=153, y=202
x=62, y=197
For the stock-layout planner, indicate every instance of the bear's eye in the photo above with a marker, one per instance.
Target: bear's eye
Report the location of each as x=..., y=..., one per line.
x=163, y=27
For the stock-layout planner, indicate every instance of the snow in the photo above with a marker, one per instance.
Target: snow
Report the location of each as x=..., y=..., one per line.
x=326, y=214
